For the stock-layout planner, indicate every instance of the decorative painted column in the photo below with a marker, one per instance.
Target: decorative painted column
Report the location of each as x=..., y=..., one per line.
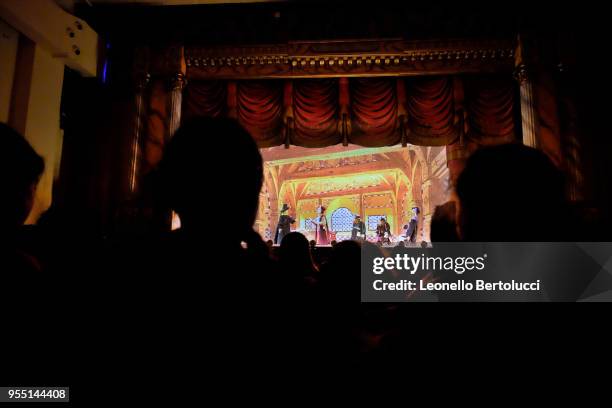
x=163, y=117
x=528, y=117
x=136, y=147
x=426, y=210
x=177, y=83
x=163, y=102
x=539, y=97
x=570, y=132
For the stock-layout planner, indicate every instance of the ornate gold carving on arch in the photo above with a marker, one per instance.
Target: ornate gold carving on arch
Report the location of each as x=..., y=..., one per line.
x=346, y=58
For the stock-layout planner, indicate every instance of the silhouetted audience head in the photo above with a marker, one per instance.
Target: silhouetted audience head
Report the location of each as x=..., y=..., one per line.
x=443, y=223
x=512, y=193
x=294, y=254
x=20, y=171
x=188, y=176
x=344, y=264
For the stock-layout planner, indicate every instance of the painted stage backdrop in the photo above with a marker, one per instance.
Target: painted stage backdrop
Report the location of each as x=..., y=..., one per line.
x=352, y=180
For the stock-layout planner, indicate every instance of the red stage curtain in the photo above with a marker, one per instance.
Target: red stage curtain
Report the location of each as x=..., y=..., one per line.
x=205, y=98
x=363, y=111
x=490, y=103
x=430, y=110
x=374, y=112
x=259, y=110
x=316, y=113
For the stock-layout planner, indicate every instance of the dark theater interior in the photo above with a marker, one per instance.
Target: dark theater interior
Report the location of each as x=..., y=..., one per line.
x=176, y=173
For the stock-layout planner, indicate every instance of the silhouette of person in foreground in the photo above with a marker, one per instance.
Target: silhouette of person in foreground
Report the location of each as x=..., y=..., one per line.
x=295, y=258
x=27, y=290
x=512, y=193
x=337, y=311
x=188, y=179
x=225, y=250
x=443, y=223
x=211, y=281
x=20, y=170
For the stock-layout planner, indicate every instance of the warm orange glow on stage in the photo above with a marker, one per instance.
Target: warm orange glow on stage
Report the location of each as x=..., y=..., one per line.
x=352, y=180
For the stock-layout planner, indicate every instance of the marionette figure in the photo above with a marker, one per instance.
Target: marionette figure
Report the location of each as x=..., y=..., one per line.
x=321, y=223
x=383, y=232
x=358, y=231
x=284, y=224
x=413, y=225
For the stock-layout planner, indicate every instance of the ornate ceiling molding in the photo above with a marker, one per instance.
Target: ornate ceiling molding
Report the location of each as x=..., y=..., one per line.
x=350, y=58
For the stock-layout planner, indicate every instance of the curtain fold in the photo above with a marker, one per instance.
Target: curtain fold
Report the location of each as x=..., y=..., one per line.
x=430, y=110
x=205, y=98
x=373, y=110
x=316, y=113
x=362, y=111
x=259, y=110
x=490, y=106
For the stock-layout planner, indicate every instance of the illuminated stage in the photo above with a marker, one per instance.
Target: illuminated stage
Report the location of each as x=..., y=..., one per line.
x=352, y=180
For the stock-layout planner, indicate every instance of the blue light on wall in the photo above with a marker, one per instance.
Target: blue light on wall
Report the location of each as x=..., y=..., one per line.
x=105, y=66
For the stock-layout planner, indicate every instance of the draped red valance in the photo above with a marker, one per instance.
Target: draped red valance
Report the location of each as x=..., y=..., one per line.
x=316, y=113
x=430, y=111
x=259, y=110
x=365, y=111
x=373, y=108
x=205, y=98
x=490, y=103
